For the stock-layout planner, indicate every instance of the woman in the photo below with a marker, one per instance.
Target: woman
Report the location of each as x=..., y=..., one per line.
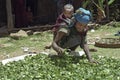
x=72, y=37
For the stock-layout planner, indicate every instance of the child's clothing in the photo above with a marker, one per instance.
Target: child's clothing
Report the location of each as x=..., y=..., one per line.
x=61, y=21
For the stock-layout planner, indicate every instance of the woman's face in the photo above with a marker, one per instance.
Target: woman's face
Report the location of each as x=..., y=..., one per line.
x=80, y=27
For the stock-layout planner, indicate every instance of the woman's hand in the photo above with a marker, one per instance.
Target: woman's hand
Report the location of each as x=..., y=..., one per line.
x=93, y=61
x=59, y=50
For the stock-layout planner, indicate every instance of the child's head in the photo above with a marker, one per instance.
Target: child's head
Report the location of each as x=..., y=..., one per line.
x=82, y=17
x=68, y=10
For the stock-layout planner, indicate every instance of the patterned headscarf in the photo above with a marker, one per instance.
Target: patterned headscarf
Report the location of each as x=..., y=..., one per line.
x=83, y=16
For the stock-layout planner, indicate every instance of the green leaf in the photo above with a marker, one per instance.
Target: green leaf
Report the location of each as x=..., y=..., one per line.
x=110, y=2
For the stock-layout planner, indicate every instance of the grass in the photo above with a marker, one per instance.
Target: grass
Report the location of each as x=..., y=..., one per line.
x=108, y=52
x=10, y=47
x=106, y=32
x=13, y=47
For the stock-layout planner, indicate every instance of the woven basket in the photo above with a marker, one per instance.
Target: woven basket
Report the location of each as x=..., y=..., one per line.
x=106, y=45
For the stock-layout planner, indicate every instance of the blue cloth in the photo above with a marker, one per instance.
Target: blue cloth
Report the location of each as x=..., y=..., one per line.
x=83, y=16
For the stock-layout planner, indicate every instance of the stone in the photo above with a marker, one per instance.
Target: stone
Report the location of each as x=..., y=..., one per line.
x=3, y=31
x=30, y=32
x=37, y=33
x=19, y=34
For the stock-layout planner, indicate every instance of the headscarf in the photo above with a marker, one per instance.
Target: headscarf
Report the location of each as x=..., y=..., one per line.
x=83, y=16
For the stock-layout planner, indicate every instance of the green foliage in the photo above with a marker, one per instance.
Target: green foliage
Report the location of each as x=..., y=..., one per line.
x=100, y=3
x=85, y=3
x=110, y=2
x=42, y=67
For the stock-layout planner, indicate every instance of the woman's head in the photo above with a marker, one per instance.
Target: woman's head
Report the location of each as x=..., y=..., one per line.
x=80, y=27
x=68, y=10
x=82, y=17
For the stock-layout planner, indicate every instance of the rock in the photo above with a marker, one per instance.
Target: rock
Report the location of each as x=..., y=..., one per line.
x=92, y=30
x=3, y=31
x=37, y=33
x=16, y=58
x=22, y=33
x=19, y=34
x=80, y=53
x=25, y=49
x=30, y=32
x=46, y=53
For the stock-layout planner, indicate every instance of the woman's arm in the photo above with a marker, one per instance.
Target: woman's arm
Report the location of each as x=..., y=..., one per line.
x=87, y=52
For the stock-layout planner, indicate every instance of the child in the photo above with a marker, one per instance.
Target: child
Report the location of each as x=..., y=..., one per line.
x=63, y=20
x=72, y=37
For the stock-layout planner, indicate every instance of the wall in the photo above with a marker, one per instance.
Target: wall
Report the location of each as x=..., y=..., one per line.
x=2, y=12
x=46, y=11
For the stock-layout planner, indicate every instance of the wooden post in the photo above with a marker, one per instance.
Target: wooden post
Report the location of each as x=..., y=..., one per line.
x=107, y=11
x=10, y=24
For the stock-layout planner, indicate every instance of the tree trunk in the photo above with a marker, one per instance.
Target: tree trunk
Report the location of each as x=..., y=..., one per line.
x=9, y=15
x=107, y=11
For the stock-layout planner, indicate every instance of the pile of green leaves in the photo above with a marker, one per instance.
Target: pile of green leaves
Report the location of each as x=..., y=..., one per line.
x=42, y=67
